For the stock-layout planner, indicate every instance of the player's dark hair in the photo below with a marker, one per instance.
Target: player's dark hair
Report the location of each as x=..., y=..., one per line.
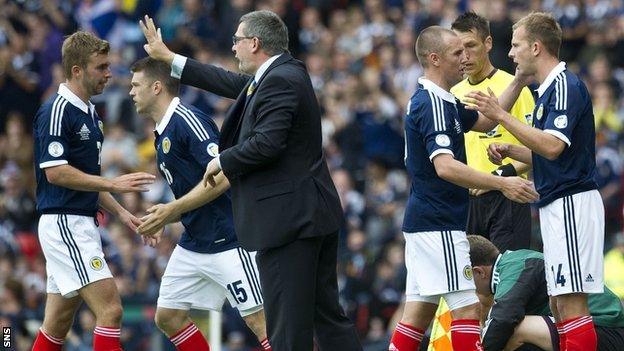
x=158, y=71
x=469, y=21
x=482, y=251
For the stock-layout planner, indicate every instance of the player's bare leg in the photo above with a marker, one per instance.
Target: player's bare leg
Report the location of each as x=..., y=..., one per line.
x=575, y=325
x=103, y=299
x=465, y=328
x=532, y=330
x=257, y=323
x=58, y=318
x=180, y=329
x=409, y=332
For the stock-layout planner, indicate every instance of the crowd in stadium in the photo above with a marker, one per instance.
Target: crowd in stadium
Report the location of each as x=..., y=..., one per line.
x=360, y=56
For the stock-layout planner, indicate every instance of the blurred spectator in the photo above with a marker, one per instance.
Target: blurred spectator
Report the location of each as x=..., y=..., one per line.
x=614, y=266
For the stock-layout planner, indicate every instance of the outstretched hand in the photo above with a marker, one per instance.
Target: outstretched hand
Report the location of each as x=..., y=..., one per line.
x=155, y=46
x=132, y=182
x=487, y=104
x=212, y=170
x=519, y=190
x=157, y=217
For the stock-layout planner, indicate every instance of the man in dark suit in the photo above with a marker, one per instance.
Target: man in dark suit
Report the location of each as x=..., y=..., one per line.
x=284, y=202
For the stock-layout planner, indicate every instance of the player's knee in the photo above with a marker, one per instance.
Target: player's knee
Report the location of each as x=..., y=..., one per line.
x=170, y=321
x=111, y=314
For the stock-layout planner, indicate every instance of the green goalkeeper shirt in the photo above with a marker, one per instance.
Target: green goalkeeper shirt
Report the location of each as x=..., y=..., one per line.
x=519, y=288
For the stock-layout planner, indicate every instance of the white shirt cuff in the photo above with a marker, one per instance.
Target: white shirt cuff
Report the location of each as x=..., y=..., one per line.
x=440, y=151
x=558, y=135
x=52, y=163
x=177, y=66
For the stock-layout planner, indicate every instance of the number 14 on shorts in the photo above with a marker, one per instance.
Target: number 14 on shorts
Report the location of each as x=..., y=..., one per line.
x=559, y=278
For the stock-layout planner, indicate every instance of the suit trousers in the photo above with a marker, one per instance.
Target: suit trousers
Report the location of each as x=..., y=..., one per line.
x=300, y=289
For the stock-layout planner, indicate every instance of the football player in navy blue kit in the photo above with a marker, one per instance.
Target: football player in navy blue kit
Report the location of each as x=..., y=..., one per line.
x=68, y=137
x=208, y=265
x=561, y=148
x=436, y=248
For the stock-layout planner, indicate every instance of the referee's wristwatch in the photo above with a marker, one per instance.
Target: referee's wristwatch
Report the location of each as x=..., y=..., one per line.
x=507, y=170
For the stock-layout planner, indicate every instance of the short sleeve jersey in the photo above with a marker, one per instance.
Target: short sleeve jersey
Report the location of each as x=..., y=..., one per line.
x=66, y=131
x=435, y=124
x=564, y=109
x=477, y=142
x=186, y=140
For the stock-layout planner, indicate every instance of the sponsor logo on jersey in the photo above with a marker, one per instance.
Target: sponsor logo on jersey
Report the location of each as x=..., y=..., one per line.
x=589, y=279
x=561, y=121
x=540, y=112
x=468, y=272
x=84, y=132
x=166, y=145
x=443, y=140
x=96, y=263
x=213, y=149
x=55, y=149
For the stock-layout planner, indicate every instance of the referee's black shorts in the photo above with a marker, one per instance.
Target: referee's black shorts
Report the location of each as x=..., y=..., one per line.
x=609, y=338
x=507, y=224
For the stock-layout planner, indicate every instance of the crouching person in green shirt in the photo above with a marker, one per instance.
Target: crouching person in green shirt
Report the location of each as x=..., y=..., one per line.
x=520, y=318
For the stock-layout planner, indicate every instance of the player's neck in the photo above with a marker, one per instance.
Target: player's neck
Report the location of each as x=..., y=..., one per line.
x=437, y=79
x=78, y=90
x=544, y=67
x=160, y=108
x=485, y=72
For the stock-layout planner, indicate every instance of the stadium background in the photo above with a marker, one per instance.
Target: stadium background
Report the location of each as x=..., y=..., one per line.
x=361, y=59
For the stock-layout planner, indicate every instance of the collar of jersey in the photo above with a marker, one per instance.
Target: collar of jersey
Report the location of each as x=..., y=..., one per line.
x=436, y=90
x=494, y=278
x=160, y=128
x=550, y=78
x=64, y=91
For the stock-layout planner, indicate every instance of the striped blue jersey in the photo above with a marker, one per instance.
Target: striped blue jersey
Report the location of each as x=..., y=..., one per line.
x=435, y=124
x=564, y=109
x=186, y=140
x=66, y=131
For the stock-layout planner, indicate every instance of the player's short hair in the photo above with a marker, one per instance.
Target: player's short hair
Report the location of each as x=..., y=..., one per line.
x=542, y=27
x=469, y=21
x=157, y=71
x=430, y=40
x=482, y=251
x=78, y=48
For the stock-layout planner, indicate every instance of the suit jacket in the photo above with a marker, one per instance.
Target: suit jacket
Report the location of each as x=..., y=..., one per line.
x=271, y=152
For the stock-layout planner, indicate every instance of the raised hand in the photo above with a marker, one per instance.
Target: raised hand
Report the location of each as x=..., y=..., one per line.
x=154, y=239
x=155, y=46
x=157, y=217
x=497, y=152
x=519, y=190
x=487, y=104
x=132, y=182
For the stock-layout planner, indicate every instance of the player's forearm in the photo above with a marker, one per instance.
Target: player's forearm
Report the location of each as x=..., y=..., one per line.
x=543, y=144
x=523, y=167
x=108, y=202
x=510, y=95
x=72, y=178
x=521, y=156
x=200, y=195
x=458, y=173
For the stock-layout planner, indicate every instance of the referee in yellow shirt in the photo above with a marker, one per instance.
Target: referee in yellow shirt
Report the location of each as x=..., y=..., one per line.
x=505, y=223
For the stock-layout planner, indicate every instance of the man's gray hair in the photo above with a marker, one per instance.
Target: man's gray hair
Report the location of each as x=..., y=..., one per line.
x=268, y=28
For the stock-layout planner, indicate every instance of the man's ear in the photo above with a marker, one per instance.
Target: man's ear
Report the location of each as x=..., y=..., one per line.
x=157, y=87
x=434, y=58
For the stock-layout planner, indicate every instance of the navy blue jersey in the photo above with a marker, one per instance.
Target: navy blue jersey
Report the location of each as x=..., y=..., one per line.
x=186, y=140
x=435, y=124
x=66, y=131
x=564, y=109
